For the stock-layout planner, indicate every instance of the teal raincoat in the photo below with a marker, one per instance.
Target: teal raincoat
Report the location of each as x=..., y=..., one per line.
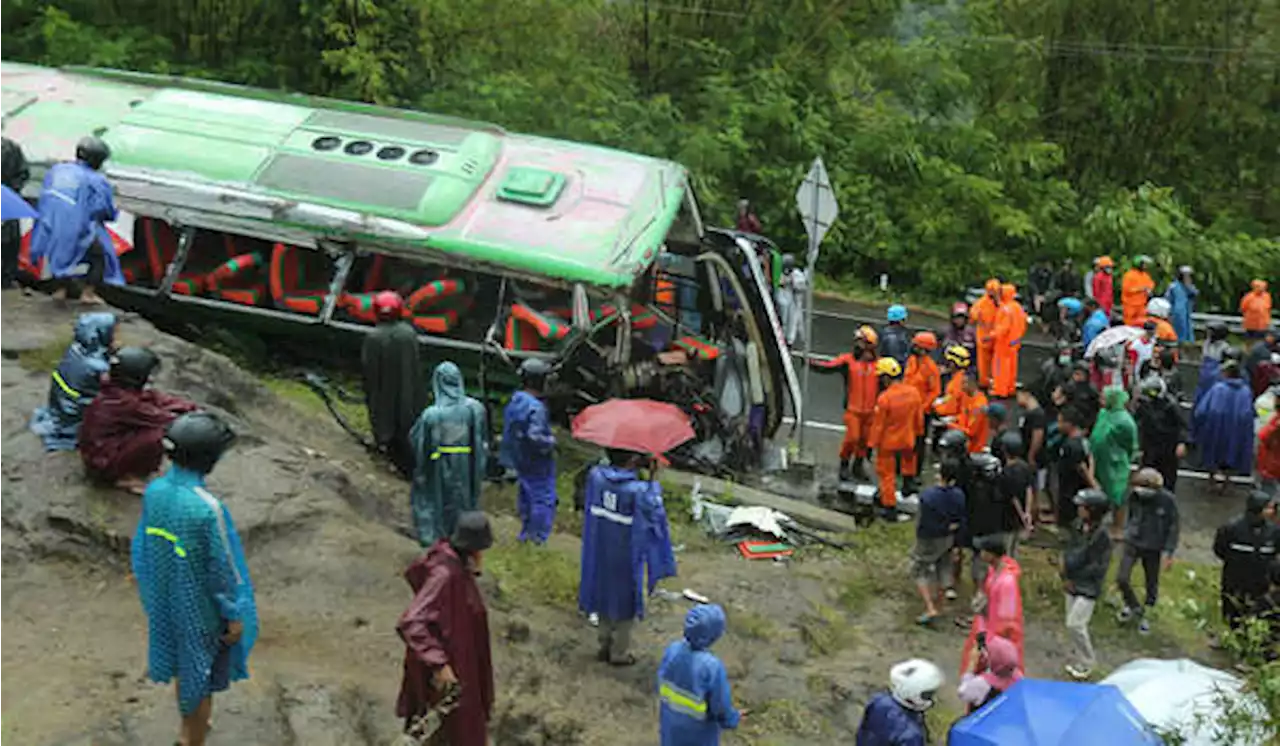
x=449, y=448
x=1114, y=443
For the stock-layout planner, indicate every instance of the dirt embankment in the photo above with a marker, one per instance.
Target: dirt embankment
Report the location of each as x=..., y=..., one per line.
x=326, y=534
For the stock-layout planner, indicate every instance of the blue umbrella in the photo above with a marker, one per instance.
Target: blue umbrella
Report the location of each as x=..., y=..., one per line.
x=13, y=206
x=1036, y=712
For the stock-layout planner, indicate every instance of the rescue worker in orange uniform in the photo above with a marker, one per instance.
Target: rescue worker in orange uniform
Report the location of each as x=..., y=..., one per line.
x=861, y=389
x=972, y=419
x=1135, y=290
x=955, y=360
x=1255, y=307
x=983, y=314
x=897, y=422
x=1010, y=327
x=923, y=374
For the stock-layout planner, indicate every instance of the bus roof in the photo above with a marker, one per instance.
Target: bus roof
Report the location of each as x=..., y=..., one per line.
x=529, y=204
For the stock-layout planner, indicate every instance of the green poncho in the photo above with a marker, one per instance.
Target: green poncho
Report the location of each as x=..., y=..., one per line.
x=1114, y=443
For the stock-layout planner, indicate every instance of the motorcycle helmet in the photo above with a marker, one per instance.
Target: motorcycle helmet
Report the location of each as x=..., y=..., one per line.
x=197, y=440
x=925, y=340
x=1256, y=502
x=887, y=366
x=953, y=443
x=1094, y=499
x=388, y=306
x=1009, y=444
x=93, y=151
x=914, y=684
x=897, y=313
x=473, y=532
x=534, y=372
x=960, y=309
x=1218, y=331
x=957, y=355
x=131, y=367
x=1073, y=306
x=866, y=334
x=984, y=466
x=1141, y=261
x=1152, y=387
x=1158, y=307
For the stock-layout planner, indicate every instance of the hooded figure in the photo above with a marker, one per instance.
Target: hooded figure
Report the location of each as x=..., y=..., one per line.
x=999, y=670
x=120, y=438
x=1135, y=290
x=75, y=382
x=1010, y=326
x=1000, y=603
x=1114, y=443
x=446, y=635
x=1224, y=424
x=528, y=446
x=192, y=577
x=1255, y=307
x=693, y=687
x=1182, y=301
x=75, y=204
x=393, y=388
x=448, y=442
x=983, y=313
x=624, y=534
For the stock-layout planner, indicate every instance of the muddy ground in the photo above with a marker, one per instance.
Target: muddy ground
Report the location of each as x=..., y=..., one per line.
x=326, y=534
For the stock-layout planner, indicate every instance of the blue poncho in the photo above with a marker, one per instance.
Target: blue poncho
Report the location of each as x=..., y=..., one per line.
x=75, y=203
x=448, y=443
x=624, y=533
x=693, y=687
x=528, y=446
x=193, y=580
x=1225, y=426
x=75, y=382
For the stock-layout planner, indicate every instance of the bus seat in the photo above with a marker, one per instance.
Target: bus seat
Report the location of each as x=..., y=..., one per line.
x=641, y=317
x=442, y=301
x=290, y=288
x=526, y=327
x=699, y=347
x=435, y=323
x=228, y=281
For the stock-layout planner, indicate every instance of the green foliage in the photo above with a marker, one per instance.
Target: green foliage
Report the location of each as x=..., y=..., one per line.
x=962, y=138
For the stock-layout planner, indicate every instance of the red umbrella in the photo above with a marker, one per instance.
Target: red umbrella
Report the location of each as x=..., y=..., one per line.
x=640, y=425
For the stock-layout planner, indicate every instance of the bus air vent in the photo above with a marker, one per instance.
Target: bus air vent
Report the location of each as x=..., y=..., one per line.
x=531, y=186
x=327, y=142
x=361, y=185
x=358, y=147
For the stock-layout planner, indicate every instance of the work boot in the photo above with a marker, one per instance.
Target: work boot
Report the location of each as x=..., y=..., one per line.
x=859, y=470
x=910, y=486
x=893, y=515
x=843, y=475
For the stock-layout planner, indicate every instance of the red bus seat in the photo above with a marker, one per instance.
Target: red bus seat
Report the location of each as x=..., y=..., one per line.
x=232, y=279
x=291, y=289
x=161, y=244
x=699, y=347
x=527, y=327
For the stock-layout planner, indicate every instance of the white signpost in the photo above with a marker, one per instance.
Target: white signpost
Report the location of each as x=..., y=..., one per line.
x=816, y=201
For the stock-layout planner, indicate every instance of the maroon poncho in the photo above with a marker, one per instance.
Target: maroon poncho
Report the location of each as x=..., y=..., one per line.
x=447, y=624
x=122, y=429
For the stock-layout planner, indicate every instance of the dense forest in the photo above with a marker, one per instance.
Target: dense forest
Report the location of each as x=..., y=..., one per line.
x=962, y=137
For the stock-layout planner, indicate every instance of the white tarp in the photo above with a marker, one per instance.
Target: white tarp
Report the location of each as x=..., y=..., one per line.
x=1185, y=697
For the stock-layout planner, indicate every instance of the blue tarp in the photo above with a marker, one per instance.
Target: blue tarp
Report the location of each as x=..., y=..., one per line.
x=1037, y=712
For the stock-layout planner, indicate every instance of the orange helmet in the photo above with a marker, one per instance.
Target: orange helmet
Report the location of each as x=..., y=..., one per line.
x=866, y=334
x=993, y=286
x=1106, y=261
x=925, y=340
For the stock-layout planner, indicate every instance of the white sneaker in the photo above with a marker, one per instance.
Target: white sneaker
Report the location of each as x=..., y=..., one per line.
x=951, y=594
x=593, y=619
x=1079, y=673
x=1125, y=614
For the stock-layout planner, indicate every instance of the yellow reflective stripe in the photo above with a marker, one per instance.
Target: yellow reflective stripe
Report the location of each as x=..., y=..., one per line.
x=62, y=384
x=450, y=450
x=177, y=543
x=682, y=701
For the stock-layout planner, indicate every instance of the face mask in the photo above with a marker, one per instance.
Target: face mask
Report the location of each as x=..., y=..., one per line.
x=1064, y=359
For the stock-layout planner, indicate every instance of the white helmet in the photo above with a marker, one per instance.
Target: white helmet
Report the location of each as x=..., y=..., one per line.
x=1158, y=307
x=915, y=683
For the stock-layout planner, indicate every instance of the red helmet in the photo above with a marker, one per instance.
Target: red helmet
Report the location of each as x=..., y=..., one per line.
x=388, y=305
x=960, y=309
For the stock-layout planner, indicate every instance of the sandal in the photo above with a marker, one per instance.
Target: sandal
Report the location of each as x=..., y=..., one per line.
x=926, y=620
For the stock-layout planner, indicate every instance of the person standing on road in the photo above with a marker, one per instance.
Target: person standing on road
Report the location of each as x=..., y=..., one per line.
x=1087, y=286
x=1162, y=430
x=192, y=577
x=983, y=314
x=71, y=234
x=446, y=636
x=1104, y=285
x=1007, y=334
x=1114, y=442
x=1067, y=280
x=1247, y=546
x=394, y=392
x=895, y=340
x=1182, y=295
x=1224, y=426
x=1255, y=308
x=997, y=669
x=1259, y=352
x=896, y=717
x=693, y=686
x=959, y=332
x=897, y=421
x=923, y=375
x=448, y=443
x=528, y=446
x=625, y=533
x=862, y=386
x=1084, y=571
x=1150, y=531
x=1135, y=290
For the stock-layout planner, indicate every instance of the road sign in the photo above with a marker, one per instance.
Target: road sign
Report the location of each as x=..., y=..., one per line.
x=816, y=201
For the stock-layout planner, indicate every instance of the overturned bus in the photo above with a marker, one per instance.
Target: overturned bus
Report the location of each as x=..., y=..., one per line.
x=283, y=214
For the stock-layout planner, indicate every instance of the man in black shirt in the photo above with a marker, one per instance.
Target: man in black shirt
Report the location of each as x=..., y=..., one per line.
x=1034, y=427
x=1247, y=547
x=1075, y=465
x=1017, y=486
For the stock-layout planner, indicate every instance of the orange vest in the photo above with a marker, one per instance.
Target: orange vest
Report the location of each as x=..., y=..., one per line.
x=898, y=419
x=1255, y=307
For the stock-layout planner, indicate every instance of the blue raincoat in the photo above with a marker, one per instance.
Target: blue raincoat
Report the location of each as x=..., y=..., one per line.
x=450, y=452
x=1224, y=429
x=887, y=723
x=693, y=687
x=193, y=580
x=1097, y=323
x=1182, y=299
x=624, y=533
x=1210, y=374
x=75, y=203
x=75, y=382
x=528, y=446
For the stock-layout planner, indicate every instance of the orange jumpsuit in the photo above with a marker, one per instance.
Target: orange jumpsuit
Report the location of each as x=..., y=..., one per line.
x=953, y=401
x=972, y=420
x=897, y=422
x=923, y=374
x=1135, y=290
x=860, y=401
x=1011, y=325
x=1255, y=307
x=983, y=316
